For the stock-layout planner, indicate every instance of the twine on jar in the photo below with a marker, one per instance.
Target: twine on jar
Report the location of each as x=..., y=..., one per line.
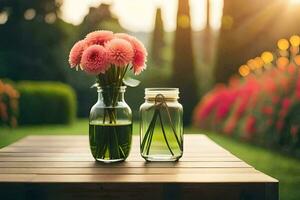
x=160, y=103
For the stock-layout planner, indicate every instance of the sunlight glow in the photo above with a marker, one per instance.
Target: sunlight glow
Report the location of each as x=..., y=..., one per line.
x=216, y=13
x=3, y=17
x=295, y=40
x=267, y=57
x=297, y=59
x=139, y=15
x=282, y=62
x=294, y=1
x=244, y=70
x=283, y=44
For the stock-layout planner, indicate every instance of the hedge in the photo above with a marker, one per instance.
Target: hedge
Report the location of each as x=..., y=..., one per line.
x=46, y=103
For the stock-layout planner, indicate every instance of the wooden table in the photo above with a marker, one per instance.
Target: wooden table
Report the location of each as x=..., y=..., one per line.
x=61, y=167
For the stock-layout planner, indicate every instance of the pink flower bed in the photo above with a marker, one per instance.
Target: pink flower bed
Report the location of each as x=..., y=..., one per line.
x=262, y=107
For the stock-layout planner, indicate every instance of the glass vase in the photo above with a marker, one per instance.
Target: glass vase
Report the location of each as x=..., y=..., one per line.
x=110, y=126
x=161, y=127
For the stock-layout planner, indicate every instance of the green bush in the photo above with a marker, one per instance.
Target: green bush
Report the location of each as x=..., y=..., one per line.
x=46, y=103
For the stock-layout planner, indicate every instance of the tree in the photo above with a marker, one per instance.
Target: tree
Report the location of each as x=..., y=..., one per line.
x=30, y=41
x=249, y=28
x=183, y=62
x=157, y=39
x=100, y=18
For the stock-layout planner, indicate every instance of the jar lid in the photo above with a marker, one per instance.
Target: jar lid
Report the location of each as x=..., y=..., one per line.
x=169, y=93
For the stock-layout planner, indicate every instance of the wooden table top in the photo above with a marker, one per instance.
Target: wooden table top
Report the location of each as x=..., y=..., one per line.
x=67, y=159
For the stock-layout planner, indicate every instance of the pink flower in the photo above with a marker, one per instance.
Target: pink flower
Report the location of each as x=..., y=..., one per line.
x=286, y=103
x=267, y=110
x=140, y=52
x=291, y=69
x=270, y=85
x=294, y=130
x=230, y=126
x=279, y=125
x=250, y=126
x=76, y=53
x=95, y=60
x=226, y=99
x=298, y=88
x=120, y=52
x=210, y=102
x=99, y=37
x=285, y=106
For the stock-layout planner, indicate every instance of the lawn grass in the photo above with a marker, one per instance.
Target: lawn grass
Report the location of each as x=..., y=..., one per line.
x=8, y=136
x=80, y=127
x=275, y=164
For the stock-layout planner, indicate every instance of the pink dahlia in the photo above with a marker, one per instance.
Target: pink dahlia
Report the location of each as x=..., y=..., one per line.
x=120, y=52
x=140, y=52
x=76, y=53
x=95, y=60
x=99, y=37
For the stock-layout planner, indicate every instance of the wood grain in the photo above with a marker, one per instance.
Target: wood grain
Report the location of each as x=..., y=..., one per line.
x=38, y=166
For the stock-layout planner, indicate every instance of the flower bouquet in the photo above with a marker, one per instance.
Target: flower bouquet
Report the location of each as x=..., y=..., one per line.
x=109, y=57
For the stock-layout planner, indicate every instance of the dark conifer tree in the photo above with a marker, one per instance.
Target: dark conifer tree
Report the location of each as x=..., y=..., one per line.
x=183, y=62
x=157, y=39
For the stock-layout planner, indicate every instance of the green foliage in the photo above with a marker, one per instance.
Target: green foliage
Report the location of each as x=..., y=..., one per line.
x=31, y=49
x=46, y=103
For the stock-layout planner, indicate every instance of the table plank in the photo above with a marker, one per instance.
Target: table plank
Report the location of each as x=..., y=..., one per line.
x=84, y=150
x=112, y=171
x=90, y=158
x=126, y=164
x=144, y=178
x=54, y=160
x=132, y=154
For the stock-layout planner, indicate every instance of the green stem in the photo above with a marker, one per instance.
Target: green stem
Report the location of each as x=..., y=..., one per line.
x=172, y=126
x=104, y=116
x=116, y=147
x=150, y=127
x=111, y=83
x=151, y=135
x=150, y=138
x=164, y=133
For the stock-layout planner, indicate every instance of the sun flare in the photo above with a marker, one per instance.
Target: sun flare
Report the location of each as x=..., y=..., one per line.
x=128, y=11
x=294, y=1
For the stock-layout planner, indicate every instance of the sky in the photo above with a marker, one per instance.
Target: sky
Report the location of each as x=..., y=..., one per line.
x=139, y=15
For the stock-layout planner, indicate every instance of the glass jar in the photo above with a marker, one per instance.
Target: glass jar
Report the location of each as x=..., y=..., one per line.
x=110, y=126
x=161, y=127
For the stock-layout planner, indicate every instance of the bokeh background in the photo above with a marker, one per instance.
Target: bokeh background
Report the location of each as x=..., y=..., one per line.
x=236, y=64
